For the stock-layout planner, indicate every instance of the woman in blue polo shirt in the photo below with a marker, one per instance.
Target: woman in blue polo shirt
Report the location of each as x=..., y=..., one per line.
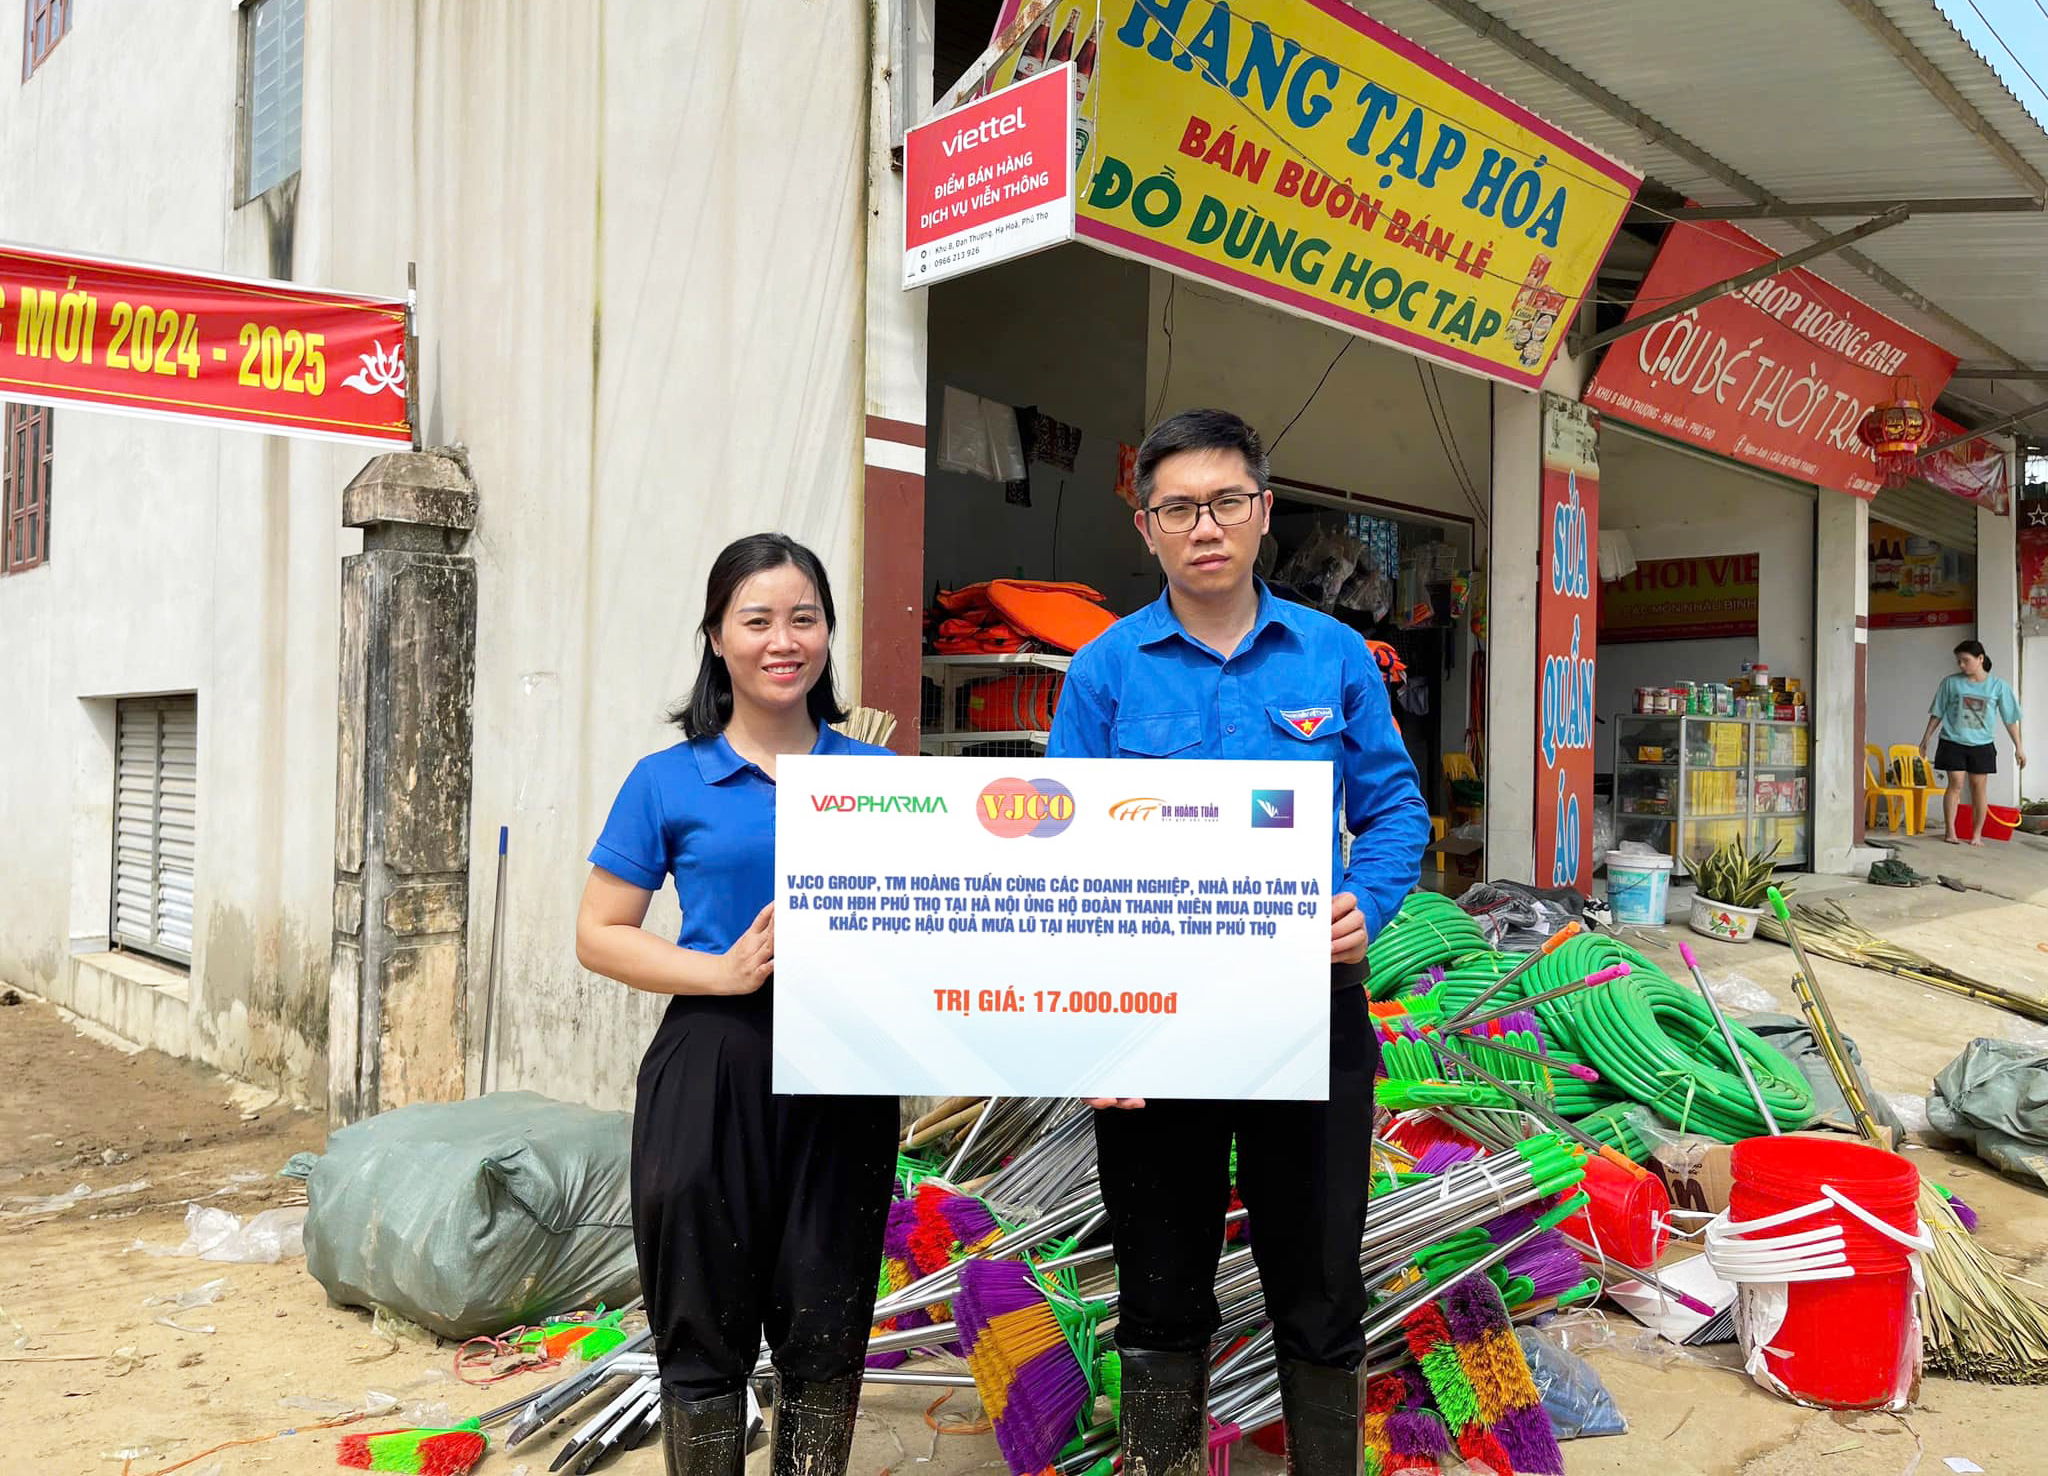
x=752, y=1213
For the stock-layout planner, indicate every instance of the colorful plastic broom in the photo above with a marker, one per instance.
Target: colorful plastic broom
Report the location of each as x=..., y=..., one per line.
x=450, y=1452
x=1032, y=1354
x=584, y=1340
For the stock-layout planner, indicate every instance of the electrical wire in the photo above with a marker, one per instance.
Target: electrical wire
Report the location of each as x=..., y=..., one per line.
x=1165, y=327
x=1440, y=417
x=2008, y=47
x=1348, y=341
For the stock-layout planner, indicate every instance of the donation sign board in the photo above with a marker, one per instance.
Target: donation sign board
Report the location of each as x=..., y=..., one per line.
x=1567, y=632
x=990, y=181
x=146, y=340
x=1052, y=927
x=1300, y=153
x=1777, y=375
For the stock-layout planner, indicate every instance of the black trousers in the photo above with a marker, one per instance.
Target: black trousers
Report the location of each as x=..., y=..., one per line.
x=1303, y=1171
x=753, y=1213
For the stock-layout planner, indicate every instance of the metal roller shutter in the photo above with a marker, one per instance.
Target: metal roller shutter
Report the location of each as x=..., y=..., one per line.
x=1930, y=512
x=156, y=823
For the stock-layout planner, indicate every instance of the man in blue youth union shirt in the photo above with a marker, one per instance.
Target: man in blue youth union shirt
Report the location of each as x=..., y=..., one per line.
x=1219, y=668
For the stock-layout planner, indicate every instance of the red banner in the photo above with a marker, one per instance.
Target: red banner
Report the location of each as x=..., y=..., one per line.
x=1777, y=375
x=270, y=356
x=1972, y=470
x=1567, y=632
x=2033, y=550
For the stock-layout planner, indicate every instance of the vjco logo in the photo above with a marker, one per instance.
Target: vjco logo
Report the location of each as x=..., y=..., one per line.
x=1272, y=809
x=1035, y=807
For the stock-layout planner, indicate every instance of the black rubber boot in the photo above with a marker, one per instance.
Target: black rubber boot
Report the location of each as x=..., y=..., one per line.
x=1165, y=1413
x=814, y=1426
x=704, y=1437
x=1320, y=1405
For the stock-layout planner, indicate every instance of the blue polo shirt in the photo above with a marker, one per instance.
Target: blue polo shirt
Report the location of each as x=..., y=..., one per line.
x=704, y=816
x=1300, y=686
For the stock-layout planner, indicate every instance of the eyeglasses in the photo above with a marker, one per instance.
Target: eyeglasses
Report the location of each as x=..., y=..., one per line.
x=1227, y=511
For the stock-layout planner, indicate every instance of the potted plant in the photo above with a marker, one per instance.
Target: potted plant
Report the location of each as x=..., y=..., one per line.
x=1728, y=891
x=2034, y=817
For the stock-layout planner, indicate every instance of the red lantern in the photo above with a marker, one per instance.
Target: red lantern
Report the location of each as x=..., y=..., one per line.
x=1895, y=430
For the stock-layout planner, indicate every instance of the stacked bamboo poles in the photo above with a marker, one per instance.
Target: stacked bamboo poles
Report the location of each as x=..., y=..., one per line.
x=1975, y=1323
x=868, y=725
x=1832, y=933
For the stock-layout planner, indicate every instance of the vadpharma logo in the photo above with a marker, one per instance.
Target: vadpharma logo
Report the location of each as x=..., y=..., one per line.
x=1137, y=808
x=880, y=804
x=1272, y=809
x=1035, y=807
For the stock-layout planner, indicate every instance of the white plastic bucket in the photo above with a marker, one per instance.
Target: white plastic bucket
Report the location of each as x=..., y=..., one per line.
x=1638, y=886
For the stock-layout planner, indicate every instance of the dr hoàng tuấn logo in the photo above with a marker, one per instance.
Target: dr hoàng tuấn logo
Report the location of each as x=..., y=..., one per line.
x=1140, y=807
x=880, y=804
x=1041, y=808
x=1151, y=807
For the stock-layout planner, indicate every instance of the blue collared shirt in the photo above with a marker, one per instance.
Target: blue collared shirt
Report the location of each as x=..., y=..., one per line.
x=1300, y=686
x=703, y=815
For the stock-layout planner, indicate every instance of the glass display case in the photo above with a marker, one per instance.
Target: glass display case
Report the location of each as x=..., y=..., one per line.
x=1684, y=783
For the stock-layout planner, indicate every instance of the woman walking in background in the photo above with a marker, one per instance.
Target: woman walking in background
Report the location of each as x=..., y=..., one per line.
x=753, y=1213
x=1966, y=706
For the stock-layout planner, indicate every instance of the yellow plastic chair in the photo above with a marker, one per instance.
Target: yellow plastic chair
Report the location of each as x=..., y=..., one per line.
x=1898, y=801
x=1438, y=829
x=1907, y=768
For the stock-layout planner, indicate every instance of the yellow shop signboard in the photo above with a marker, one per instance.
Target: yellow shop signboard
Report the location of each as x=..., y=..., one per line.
x=1301, y=153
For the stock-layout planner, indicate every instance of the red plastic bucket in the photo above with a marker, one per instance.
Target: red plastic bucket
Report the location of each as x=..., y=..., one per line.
x=1966, y=822
x=1843, y=1343
x=2000, y=821
x=1626, y=1216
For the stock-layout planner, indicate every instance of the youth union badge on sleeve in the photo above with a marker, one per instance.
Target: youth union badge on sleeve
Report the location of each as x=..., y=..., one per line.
x=1306, y=720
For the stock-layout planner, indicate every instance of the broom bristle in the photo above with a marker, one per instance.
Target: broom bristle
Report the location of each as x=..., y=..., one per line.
x=450, y=1452
x=1030, y=1382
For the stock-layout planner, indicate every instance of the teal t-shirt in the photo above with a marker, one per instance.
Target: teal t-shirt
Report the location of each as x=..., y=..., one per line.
x=1970, y=711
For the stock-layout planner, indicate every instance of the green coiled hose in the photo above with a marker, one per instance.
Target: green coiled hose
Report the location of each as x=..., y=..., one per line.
x=1652, y=1040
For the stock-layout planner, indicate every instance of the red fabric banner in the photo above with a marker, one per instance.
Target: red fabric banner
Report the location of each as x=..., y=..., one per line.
x=146, y=340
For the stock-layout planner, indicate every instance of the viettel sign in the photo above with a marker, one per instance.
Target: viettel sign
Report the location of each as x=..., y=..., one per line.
x=1299, y=152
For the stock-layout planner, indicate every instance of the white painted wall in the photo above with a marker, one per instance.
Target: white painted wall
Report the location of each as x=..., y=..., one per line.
x=181, y=559
x=641, y=288
x=1841, y=608
x=1998, y=622
x=1905, y=667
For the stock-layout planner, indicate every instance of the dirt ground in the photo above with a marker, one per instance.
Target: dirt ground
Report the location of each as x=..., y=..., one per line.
x=91, y=1380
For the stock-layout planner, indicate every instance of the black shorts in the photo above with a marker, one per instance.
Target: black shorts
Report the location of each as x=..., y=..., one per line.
x=1965, y=758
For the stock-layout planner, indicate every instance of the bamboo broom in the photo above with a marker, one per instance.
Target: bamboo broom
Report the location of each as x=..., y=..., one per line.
x=1975, y=1324
x=1832, y=933
x=868, y=725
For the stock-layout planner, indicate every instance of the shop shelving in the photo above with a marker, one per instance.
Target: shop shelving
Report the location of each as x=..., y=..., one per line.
x=951, y=675
x=1679, y=800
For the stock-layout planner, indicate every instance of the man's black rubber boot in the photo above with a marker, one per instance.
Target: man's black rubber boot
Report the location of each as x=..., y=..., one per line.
x=1320, y=1405
x=814, y=1426
x=704, y=1437
x=1165, y=1413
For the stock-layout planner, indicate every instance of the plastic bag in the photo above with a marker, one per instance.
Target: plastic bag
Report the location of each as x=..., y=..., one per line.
x=1320, y=568
x=1741, y=994
x=1994, y=1097
x=1573, y=1396
x=472, y=1217
x=216, y=1235
x=1517, y=918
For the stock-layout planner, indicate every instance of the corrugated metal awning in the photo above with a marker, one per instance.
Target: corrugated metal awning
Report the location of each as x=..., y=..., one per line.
x=1806, y=102
x=1930, y=512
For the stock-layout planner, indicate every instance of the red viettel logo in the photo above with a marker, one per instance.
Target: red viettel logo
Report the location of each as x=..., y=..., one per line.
x=1035, y=807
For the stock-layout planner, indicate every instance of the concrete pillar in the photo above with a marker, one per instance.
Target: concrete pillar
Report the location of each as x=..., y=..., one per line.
x=396, y=1019
x=1511, y=685
x=1841, y=649
x=1998, y=620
